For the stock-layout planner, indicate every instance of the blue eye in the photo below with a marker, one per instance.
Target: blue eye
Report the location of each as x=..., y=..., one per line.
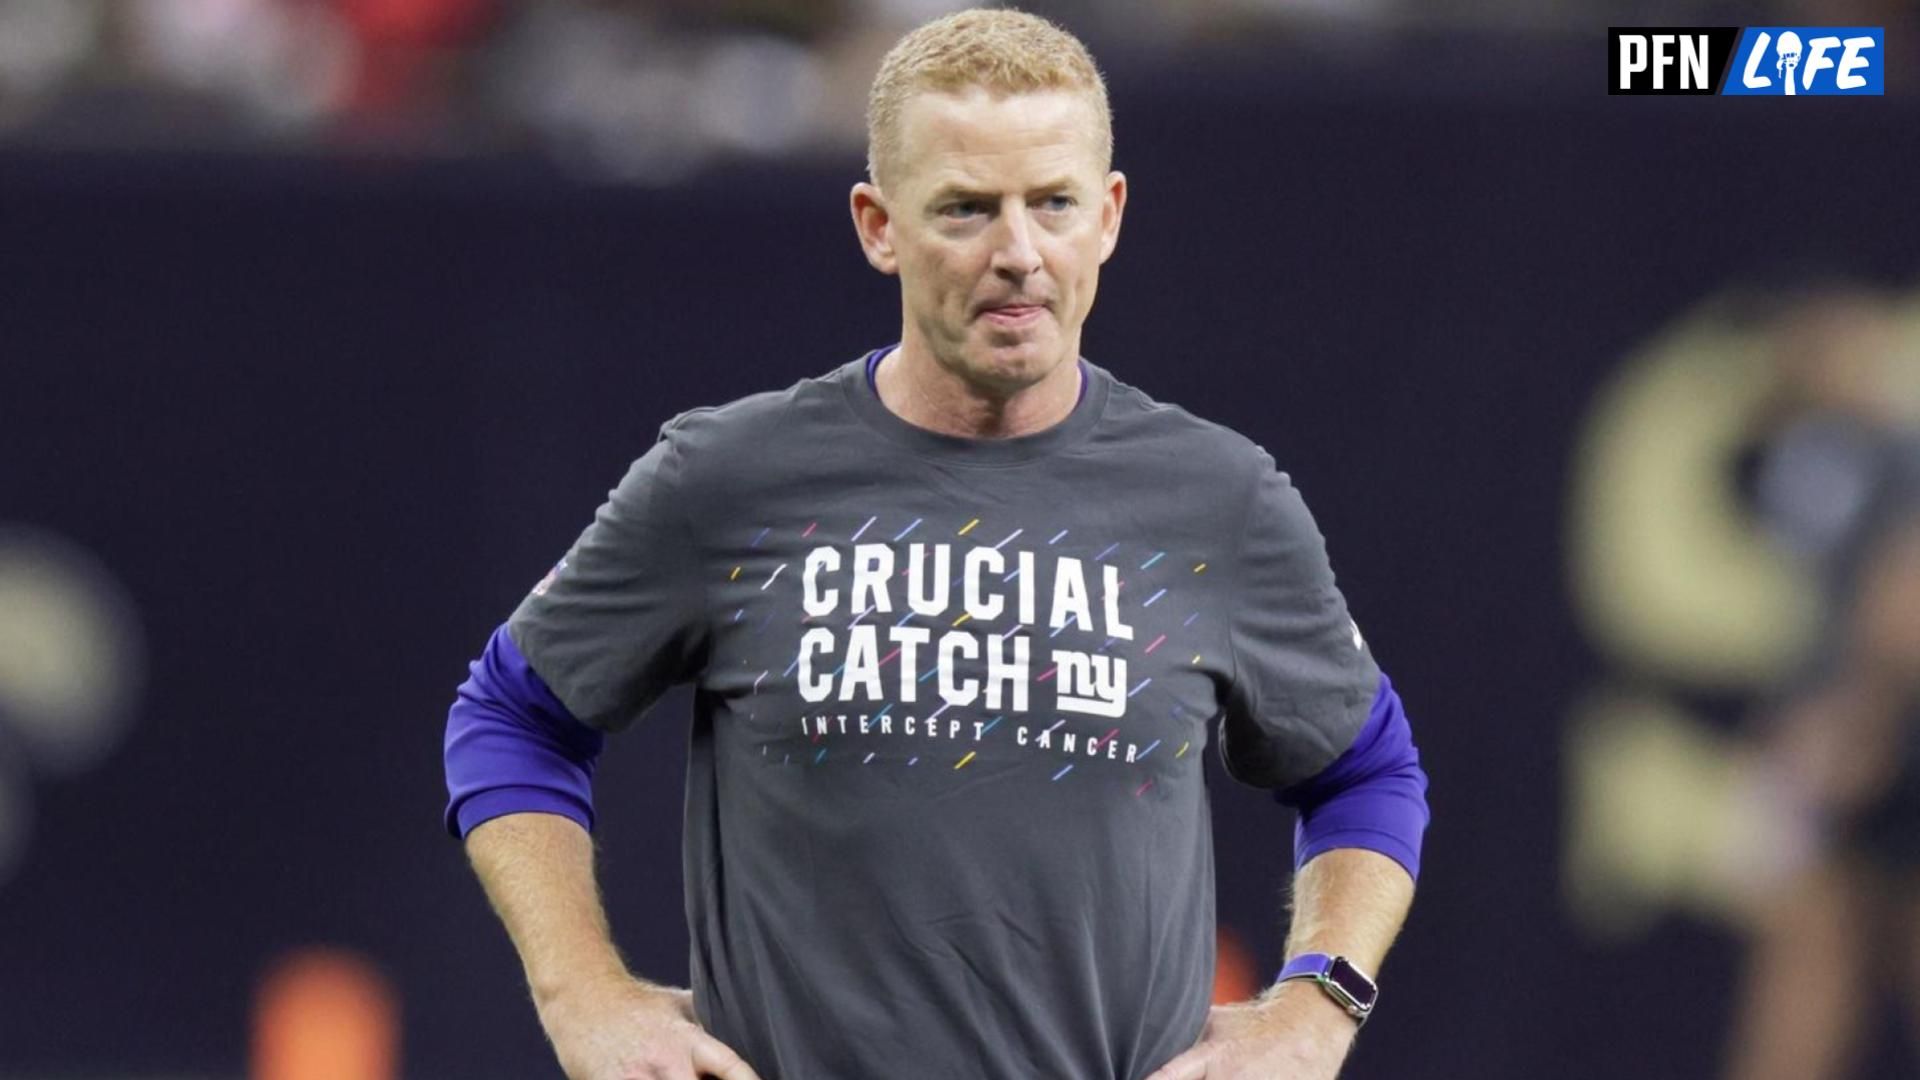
x=1059, y=202
x=962, y=209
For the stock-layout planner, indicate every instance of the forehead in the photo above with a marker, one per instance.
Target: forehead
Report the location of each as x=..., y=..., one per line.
x=975, y=138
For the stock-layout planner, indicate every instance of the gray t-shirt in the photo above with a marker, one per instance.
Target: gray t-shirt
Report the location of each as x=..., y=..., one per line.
x=945, y=811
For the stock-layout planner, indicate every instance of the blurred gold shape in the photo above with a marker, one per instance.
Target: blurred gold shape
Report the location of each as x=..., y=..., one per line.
x=1666, y=814
x=1670, y=576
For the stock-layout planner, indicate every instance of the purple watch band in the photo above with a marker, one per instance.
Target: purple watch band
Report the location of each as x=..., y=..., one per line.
x=1306, y=965
x=1345, y=984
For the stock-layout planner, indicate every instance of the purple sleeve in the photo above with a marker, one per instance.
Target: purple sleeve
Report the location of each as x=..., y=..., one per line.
x=1373, y=796
x=511, y=746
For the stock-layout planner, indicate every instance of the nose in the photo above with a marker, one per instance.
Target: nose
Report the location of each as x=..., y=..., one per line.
x=1014, y=252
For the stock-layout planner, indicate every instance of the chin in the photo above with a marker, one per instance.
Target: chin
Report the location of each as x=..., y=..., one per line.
x=1017, y=364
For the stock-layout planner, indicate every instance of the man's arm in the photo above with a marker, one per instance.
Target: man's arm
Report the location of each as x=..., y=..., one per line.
x=605, y=1024
x=1349, y=902
x=537, y=870
x=1358, y=845
x=617, y=622
x=519, y=781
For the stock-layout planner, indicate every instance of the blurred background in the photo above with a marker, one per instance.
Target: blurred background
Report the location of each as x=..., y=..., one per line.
x=325, y=324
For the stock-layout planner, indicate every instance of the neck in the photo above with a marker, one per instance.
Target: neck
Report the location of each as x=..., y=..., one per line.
x=926, y=394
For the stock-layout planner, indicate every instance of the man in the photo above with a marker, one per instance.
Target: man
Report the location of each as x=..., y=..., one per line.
x=1838, y=484
x=960, y=614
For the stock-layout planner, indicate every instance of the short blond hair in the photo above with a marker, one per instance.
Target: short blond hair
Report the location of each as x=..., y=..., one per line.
x=1002, y=51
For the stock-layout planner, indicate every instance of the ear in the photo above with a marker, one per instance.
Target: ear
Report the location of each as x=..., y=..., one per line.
x=873, y=223
x=1113, y=204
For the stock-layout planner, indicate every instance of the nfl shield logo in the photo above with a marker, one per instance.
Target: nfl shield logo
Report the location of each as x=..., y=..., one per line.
x=547, y=582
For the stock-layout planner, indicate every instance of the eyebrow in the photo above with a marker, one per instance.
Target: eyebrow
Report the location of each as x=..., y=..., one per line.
x=952, y=190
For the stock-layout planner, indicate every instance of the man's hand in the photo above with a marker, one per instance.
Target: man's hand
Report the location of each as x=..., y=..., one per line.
x=1293, y=1032
x=627, y=1030
x=604, y=1023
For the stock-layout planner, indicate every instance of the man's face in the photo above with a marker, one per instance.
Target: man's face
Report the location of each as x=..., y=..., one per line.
x=996, y=219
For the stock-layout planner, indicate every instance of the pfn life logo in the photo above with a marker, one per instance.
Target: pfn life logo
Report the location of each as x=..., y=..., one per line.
x=1808, y=60
x=1784, y=61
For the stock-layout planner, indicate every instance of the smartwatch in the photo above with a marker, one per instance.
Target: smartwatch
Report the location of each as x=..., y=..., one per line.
x=1344, y=983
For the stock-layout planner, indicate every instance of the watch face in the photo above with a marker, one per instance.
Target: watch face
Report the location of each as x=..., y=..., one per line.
x=1355, y=985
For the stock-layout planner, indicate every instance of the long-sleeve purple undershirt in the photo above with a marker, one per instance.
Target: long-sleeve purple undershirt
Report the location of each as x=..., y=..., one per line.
x=511, y=746
x=1373, y=796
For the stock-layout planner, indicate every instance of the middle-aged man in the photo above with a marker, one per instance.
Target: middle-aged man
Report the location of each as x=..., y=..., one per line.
x=961, y=615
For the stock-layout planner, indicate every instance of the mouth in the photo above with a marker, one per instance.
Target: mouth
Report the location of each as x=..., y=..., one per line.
x=1014, y=314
